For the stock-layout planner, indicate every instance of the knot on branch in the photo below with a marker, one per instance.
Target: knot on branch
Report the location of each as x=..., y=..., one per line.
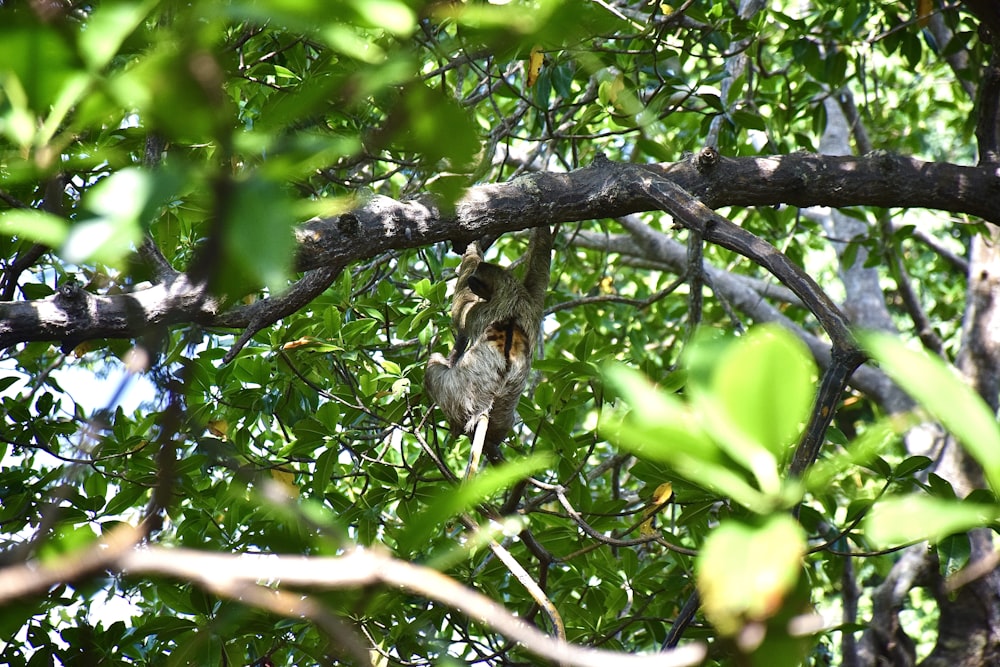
x=600, y=160
x=348, y=223
x=707, y=158
x=884, y=161
x=71, y=297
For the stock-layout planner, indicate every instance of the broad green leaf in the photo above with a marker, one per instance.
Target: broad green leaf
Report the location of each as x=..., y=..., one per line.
x=108, y=27
x=120, y=208
x=659, y=427
x=36, y=226
x=944, y=395
x=392, y=15
x=913, y=518
x=954, y=553
x=259, y=238
x=761, y=391
x=453, y=502
x=745, y=572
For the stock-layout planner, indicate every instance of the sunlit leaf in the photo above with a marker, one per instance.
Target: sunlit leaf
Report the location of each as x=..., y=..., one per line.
x=108, y=27
x=661, y=495
x=744, y=572
x=480, y=487
x=758, y=402
x=534, y=66
x=36, y=226
x=660, y=427
x=945, y=396
x=913, y=518
x=393, y=15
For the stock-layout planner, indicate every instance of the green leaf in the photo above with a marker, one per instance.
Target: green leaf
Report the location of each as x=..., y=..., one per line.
x=913, y=518
x=761, y=391
x=912, y=465
x=453, y=502
x=107, y=29
x=259, y=238
x=944, y=395
x=747, y=120
x=36, y=226
x=392, y=15
x=954, y=553
x=745, y=572
x=659, y=427
x=114, y=228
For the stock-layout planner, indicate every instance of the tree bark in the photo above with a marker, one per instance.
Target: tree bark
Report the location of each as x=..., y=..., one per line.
x=382, y=224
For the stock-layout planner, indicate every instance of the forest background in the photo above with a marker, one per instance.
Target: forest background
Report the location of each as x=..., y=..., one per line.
x=762, y=429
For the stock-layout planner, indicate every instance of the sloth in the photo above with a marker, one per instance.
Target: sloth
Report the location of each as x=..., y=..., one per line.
x=497, y=320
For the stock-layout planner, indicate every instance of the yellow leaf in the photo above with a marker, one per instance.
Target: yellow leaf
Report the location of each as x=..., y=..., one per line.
x=299, y=342
x=660, y=497
x=663, y=493
x=83, y=348
x=286, y=479
x=535, y=60
x=666, y=9
x=218, y=427
x=923, y=12
x=745, y=573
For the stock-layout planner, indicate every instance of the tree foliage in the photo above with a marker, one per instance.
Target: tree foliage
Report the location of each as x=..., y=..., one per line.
x=246, y=210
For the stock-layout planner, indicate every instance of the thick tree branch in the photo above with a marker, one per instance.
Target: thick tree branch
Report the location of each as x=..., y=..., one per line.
x=545, y=198
x=988, y=109
x=73, y=315
x=597, y=191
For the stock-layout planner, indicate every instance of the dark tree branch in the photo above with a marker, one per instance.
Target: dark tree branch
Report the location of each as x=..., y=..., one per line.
x=988, y=108
x=266, y=312
x=545, y=198
x=846, y=356
x=746, y=295
x=922, y=323
x=13, y=270
x=956, y=261
x=73, y=315
x=598, y=191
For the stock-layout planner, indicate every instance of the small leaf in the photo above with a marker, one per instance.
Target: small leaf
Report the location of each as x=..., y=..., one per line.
x=954, y=553
x=940, y=391
x=535, y=60
x=660, y=497
x=218, y=427
x=286, y=480
x=904, y=519
x=36, y=226
x=911, y=465
x=745, y=572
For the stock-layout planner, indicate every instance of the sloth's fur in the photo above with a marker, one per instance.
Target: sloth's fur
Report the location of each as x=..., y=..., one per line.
x=496, y=319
